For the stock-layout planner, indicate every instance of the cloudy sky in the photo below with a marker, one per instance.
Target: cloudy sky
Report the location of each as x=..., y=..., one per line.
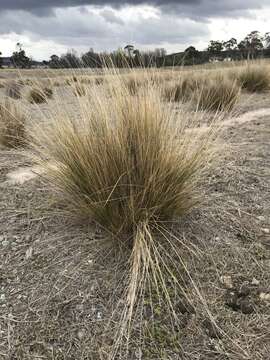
x=46, y=27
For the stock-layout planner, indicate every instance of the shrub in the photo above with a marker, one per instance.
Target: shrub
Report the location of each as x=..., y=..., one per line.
x=12, y=125
x=254, y=78
x=13, y=90
x=217, y=94
x=38, y=95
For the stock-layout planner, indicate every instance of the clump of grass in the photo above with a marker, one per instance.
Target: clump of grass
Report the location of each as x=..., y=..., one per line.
x=39, y=95
x=216, y=94
x=133, y=84
x=79, y=89
x=180, y=91
x=70, y=81
x=48, y=91
x=12, y=125
x=13, y=90
x=254, y=78
x=99, y=80
x=131, y=164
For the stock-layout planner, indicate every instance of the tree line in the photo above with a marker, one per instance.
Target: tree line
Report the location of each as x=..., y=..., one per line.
x=254, y=45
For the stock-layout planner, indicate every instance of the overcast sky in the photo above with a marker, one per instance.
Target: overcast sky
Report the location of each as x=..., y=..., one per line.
x=47, y=27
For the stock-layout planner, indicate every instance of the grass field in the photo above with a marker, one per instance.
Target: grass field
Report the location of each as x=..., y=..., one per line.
x=134, y=213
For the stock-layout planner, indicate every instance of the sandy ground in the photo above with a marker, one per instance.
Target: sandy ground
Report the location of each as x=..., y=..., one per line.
x=57, y=294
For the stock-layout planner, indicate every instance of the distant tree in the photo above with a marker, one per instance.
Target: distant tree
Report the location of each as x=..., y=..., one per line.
x=230, y=44
x=54, y=62
x=70, y=60
x=191, y=55
x=215, y=47
x=251, y=44
x=267, y=40
x=1, y=60
x=19, y=58
x=129, y=49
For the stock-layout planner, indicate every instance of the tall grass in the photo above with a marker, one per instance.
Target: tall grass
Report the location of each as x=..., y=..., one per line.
x=217, y=94
x=131, y=164
x=12, y=125
x=254, y=78
x=13, y=90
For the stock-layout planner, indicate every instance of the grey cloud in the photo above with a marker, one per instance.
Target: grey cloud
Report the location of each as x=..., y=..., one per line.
x=190, y=8
x=78, y=27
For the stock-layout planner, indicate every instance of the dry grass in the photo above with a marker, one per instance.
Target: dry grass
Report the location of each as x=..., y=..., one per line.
x=79, y=89
x=129, y=164
x=181, y=90
x=13, y=90
x=12, y=125
x=40, y=95
x=216, y=94
x=254, y=78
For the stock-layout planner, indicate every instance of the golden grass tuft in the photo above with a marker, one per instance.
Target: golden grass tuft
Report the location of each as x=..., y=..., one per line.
x=40, y=95
x=132, y=165
x=79, y=89
x=13, y=90
x=254, y=78
x=180, y=90
x=216, y=94
x=12, y=125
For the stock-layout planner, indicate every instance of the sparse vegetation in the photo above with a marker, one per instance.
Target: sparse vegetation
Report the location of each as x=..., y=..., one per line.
x=12, y=125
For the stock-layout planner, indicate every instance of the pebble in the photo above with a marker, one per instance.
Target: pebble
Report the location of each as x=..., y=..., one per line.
x=255, y=282
x=226, y=280
x=5, y=243
x=264, y=296
x=80, y=334
x=266, y=231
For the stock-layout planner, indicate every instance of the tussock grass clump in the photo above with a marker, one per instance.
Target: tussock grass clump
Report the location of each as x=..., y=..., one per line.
x=13, y=90
x=131, y=164
x=39, y=96
x=12, y=125
x=254, y=78
x=217, y=94
x=79, y=89
x=181, y=90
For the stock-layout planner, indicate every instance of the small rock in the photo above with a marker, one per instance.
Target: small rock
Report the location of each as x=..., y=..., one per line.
x=264, y=296
x=265, y=230
x=5, y=243
x=244, y=290
x=261, y=218
x=255, y=282
x=29, y=253
x=246, y=306
x=184, y=306
x=80, y=334
x=226, y=281
x=232, y=300
x=2, y=297
x=99, y=315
